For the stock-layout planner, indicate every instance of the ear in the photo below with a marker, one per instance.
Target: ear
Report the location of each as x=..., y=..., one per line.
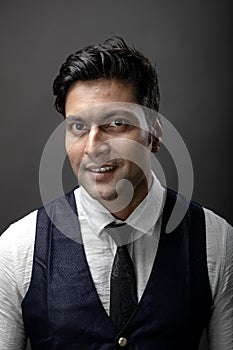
x=156, y=134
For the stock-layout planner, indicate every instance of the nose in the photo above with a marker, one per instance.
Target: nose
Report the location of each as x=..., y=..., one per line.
x=96, y=143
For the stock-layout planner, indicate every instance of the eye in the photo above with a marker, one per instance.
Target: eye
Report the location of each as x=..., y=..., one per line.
x=118, y=123
x=78, y=126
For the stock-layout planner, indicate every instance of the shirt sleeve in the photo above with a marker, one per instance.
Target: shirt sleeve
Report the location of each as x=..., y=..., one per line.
x=16, y=255
x=220, y=329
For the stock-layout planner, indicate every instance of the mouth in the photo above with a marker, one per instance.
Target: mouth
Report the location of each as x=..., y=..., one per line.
x=102, y=169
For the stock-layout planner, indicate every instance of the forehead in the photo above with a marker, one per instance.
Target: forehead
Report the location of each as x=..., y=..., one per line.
x=86, y=94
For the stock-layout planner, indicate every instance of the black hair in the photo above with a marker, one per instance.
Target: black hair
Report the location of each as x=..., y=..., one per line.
x=113, y=59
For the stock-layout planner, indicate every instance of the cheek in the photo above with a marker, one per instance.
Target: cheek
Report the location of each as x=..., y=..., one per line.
x=135, y=148
x=139, y=154
x=74, y=154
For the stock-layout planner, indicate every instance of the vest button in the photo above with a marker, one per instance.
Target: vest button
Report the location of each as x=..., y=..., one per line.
x=122, y=341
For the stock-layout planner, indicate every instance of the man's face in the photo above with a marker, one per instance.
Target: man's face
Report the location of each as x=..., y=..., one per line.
x=102, y=138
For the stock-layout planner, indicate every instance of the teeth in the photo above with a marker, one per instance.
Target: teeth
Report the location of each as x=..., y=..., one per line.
x=102, y=170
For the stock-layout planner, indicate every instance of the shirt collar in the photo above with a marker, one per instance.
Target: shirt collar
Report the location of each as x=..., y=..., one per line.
x=143, y=218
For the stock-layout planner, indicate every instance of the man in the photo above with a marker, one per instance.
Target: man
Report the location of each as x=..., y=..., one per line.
x=112, y=277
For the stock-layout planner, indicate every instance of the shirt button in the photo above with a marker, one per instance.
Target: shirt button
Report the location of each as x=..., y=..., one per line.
x=122, y=341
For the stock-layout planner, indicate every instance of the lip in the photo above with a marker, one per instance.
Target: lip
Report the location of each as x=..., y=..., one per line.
x=98, y=166
x=101, y=171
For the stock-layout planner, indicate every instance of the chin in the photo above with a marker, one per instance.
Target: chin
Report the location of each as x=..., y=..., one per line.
x=102, y=195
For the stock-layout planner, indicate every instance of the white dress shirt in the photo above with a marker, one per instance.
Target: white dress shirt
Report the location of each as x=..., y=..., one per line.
x=16, y=255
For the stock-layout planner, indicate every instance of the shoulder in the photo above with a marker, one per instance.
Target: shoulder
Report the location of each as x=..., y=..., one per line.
x=16, y=252
x=218, y=231
x=213, y=220
x=219, y=242
x=19, y=232
x=219, y=237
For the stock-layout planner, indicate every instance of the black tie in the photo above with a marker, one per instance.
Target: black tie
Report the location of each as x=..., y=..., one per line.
x=123, y=292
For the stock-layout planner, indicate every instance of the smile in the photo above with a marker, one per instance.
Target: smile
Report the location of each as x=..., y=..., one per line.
x=102, y=169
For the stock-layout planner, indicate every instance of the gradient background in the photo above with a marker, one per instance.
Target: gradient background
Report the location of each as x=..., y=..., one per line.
x=189, y=40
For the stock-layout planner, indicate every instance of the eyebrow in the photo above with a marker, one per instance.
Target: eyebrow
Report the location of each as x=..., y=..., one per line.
x=71, y=118
x=106, y=115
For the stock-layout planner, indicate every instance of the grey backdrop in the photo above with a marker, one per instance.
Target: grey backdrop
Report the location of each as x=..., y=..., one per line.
x=191, y=43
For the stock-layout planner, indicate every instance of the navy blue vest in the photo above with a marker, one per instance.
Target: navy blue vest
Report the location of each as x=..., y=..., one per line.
x=62, y=309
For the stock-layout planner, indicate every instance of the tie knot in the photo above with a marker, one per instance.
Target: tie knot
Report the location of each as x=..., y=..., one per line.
x=120, y=233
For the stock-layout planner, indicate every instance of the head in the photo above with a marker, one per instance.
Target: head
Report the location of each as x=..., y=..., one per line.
x=100, y=143
x=113, y=59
